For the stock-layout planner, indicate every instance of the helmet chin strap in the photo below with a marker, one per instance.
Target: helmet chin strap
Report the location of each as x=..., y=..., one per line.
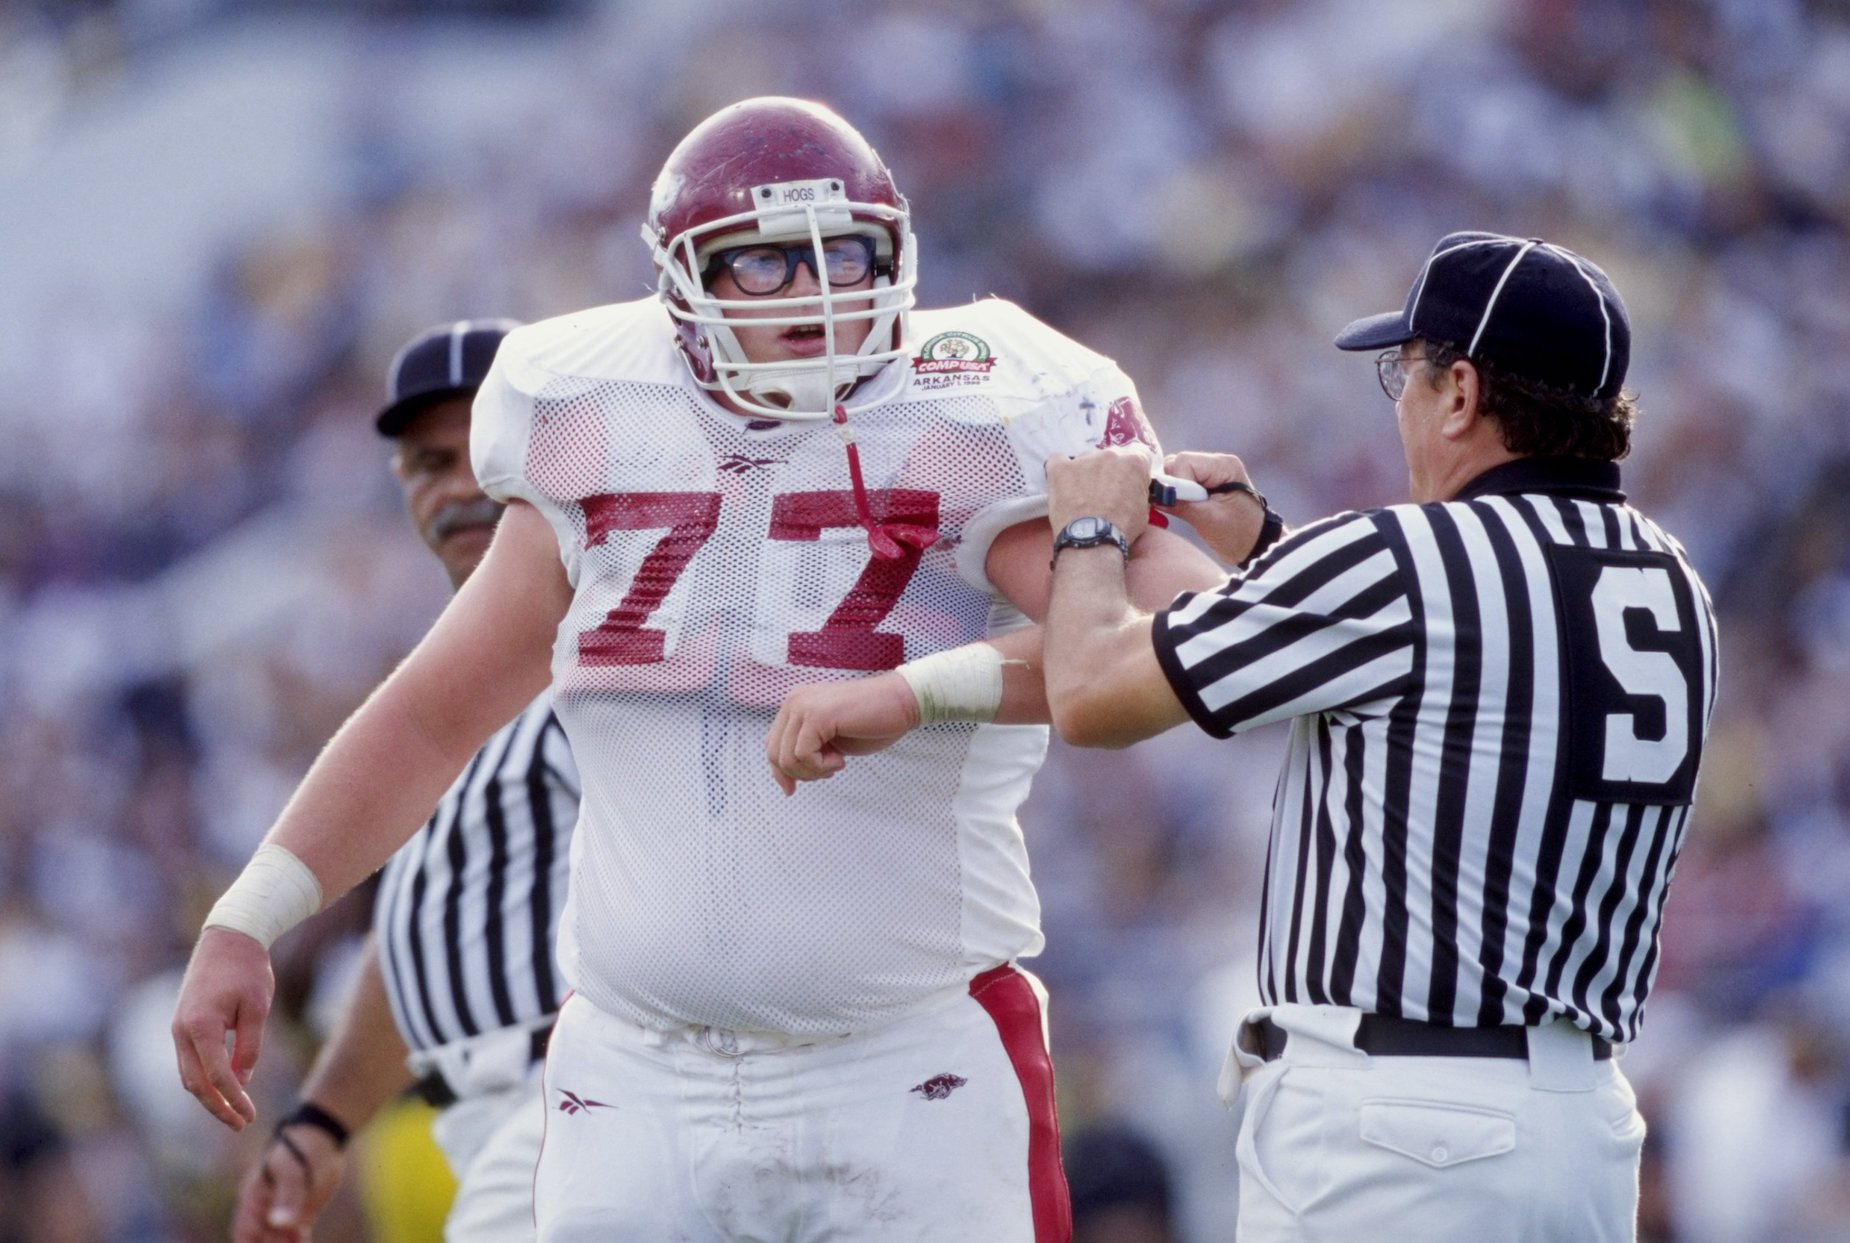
x=805, y=390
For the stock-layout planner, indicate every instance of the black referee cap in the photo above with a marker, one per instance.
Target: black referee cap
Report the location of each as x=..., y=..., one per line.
x=1525, y=306
x=449, y=360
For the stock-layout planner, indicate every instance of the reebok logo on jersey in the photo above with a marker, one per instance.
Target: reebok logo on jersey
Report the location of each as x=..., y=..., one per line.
x=571, y=1103
x=739, y=464
x=938, y=1087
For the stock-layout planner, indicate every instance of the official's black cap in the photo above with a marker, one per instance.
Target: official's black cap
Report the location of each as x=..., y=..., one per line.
x=449, y=360
x=1524, y=306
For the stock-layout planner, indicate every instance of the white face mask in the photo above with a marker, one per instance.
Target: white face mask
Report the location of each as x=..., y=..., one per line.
x=792, y=388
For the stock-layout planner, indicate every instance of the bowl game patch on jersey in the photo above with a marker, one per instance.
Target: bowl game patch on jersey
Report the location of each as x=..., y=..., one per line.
x=952, y=358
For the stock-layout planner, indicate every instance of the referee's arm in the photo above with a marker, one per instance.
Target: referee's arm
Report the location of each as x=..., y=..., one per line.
x=1104, y=685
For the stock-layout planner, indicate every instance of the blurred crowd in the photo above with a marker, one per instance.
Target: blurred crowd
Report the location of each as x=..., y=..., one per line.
x=202, y=567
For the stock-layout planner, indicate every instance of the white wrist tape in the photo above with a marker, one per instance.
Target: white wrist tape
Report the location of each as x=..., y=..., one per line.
x=963, y=684
x=275, y=892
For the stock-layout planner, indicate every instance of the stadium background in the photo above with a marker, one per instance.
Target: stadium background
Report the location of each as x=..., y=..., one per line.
x=218, y=219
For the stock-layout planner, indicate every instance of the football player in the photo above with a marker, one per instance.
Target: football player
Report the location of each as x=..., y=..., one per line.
x=793, y=1017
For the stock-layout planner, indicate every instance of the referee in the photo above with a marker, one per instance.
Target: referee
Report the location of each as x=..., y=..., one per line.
x=460, y=996
x=1498, y=697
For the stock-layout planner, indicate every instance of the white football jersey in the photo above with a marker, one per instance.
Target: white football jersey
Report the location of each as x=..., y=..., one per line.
x=717, y=561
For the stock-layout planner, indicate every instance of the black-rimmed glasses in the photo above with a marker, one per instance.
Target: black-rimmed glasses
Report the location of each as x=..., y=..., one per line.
x=765, y=269
x=1393, y=368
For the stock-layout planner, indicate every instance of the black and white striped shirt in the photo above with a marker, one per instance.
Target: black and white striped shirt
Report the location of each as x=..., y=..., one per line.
x=468, y=909
x=1499, y=708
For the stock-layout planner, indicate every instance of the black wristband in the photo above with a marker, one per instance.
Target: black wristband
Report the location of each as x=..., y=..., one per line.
x=307, y=1113
x=1271, y=528
x=1270, y=532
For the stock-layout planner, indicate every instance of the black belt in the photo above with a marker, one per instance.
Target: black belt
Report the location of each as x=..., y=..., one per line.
x=434, y=1090
x=1383, y=1035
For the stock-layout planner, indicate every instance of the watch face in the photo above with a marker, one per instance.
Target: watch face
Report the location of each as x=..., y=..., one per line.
x=1085, y=528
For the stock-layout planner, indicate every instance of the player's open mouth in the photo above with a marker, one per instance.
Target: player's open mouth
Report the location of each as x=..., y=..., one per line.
x=805, y=340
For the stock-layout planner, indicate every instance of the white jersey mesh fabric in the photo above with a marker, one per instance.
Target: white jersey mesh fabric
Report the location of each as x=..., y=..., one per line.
x=717, y=562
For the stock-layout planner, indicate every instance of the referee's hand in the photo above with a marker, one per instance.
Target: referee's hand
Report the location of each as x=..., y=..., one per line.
x=1113, y=484
x=1229, y=522
x=226, y=992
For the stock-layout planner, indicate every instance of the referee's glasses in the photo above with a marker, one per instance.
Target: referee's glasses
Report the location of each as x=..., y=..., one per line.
x=1392, y=369
x=762, y=270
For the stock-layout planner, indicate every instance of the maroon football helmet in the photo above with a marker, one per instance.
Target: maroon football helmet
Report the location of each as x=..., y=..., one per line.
x=780, y=171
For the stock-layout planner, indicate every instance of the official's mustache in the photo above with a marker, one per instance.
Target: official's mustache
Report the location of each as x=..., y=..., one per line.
x=457, y=515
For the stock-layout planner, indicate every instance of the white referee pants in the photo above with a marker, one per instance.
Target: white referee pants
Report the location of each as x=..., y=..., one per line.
x=1336, y=1146
x=492, y=1143
x=936, y=1127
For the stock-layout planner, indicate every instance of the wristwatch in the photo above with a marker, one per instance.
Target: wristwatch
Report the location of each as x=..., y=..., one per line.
x=1089, y=533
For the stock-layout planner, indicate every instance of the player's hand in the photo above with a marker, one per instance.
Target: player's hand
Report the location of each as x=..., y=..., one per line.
x=1229, y=522
x=1113, y=484
x=820, y=724
x=286, y=1191
x=226, y=991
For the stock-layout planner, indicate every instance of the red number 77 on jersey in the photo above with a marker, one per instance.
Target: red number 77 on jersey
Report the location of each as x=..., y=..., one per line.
x=847, y=640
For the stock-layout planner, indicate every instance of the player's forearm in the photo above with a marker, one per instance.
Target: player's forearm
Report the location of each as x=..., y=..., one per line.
x=1024, y=686
x=1162, y=564
x=362, y=1067
x=484, y=660
x=369, y=790
x=1104, y=687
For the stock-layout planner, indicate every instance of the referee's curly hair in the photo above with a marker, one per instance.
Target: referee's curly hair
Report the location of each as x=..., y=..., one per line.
x=1540, y=420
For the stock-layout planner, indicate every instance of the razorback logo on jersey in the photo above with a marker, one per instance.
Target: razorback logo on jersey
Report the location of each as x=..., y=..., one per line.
x=938, y=1087
x=1124, y=424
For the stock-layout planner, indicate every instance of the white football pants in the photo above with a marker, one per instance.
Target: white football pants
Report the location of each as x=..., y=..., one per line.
x=1337, y=1146
x=938, y=1126
x=492, y=1142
